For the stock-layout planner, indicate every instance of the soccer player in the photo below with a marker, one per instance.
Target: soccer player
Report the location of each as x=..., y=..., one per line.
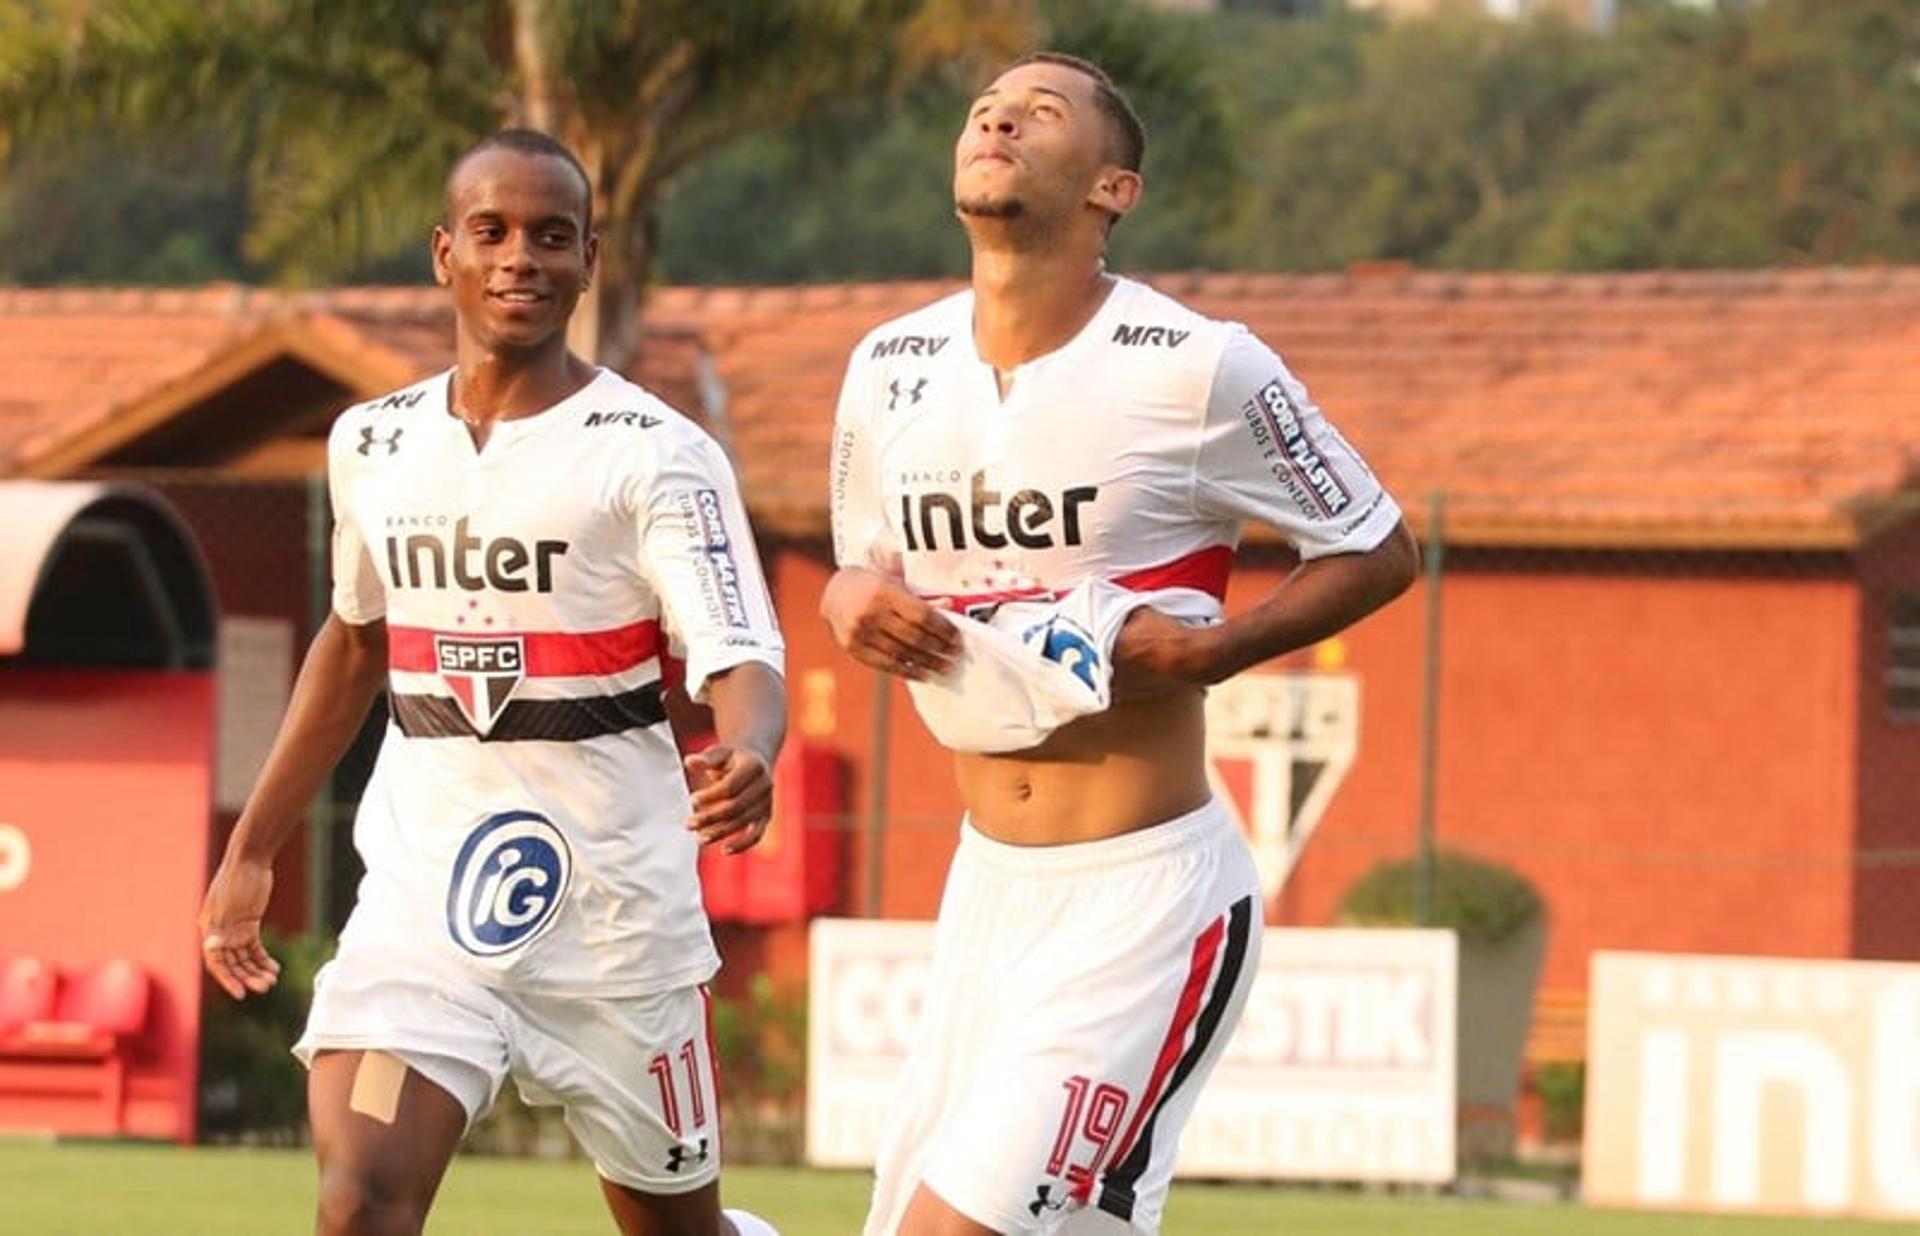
x=527, y=551
x=1050, y=425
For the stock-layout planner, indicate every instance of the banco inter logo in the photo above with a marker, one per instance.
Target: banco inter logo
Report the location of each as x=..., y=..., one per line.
x=428, y=559
x=507, y=882
x=1029, y=518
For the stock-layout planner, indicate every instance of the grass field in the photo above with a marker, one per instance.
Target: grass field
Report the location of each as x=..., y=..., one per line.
x=118, y=1190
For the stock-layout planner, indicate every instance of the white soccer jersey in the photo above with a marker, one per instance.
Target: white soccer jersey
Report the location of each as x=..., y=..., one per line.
x=525, y=815
x=1132, y=453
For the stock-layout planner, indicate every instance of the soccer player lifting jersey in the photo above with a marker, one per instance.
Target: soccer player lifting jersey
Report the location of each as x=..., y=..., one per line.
x=1056, y=436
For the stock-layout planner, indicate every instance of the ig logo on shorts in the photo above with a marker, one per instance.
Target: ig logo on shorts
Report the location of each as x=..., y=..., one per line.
x=507, y=882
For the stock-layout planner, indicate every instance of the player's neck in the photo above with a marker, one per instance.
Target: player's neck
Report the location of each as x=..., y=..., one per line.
x=496, y=384
x=1028, y=303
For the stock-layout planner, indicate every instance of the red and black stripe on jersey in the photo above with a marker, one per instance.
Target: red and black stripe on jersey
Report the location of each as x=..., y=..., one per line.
x=546, y=654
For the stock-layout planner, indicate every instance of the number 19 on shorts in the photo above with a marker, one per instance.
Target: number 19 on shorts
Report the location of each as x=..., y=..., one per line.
x=1089, y=1122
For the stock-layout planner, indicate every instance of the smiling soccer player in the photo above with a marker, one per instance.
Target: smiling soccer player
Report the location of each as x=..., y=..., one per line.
x=525, y=548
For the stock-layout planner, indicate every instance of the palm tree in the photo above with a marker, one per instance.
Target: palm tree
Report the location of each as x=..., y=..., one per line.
x=349, y=111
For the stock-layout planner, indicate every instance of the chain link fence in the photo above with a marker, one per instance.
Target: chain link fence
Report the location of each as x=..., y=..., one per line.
x=1680, y=747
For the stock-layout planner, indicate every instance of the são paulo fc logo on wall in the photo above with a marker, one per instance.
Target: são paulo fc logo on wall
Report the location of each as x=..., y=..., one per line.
x=507, y=883
x=1278, y=746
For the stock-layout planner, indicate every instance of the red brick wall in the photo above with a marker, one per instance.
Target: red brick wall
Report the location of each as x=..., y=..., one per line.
x=1666, y=755
x=1665, y=746
x=833, y=703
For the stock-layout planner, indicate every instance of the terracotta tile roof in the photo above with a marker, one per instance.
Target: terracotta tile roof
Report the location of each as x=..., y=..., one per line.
x=1766, y=408
x=81, y=361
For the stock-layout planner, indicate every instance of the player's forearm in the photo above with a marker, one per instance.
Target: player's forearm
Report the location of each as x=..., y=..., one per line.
x=344, y=669
x=749, y=709
x=1320, y=599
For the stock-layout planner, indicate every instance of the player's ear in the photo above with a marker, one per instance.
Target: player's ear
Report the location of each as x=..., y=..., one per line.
x=592, y=260
x=1116, y=191
x=441, y=247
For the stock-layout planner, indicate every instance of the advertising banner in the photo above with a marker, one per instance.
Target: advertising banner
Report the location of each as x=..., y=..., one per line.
x=1341, y=1069
x=1754, y=1084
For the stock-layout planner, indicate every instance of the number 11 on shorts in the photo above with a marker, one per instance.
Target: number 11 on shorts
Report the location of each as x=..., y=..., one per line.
x=1092, y=1116
x=661, y=1066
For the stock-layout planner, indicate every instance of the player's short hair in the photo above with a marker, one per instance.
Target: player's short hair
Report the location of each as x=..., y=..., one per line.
x=1129, y=136
x=526, y=142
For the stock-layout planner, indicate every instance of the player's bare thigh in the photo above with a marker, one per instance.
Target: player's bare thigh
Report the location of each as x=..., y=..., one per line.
x=1137, y=764
x=384, y=1136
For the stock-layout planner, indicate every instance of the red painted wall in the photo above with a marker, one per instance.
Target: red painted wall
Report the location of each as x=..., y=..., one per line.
x=1666, y=746
x=108, y=776
x=1667, y=754
x=833, y=702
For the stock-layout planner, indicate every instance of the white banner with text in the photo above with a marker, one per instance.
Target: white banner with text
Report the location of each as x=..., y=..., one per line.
x=1754, y=1084
x=1341, y=1069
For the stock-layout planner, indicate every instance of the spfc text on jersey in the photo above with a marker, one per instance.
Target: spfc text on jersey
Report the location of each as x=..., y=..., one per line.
x=427, y=560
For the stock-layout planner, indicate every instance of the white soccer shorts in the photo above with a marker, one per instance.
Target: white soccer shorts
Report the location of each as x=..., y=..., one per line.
x=634, y=1075
x=1079, y=997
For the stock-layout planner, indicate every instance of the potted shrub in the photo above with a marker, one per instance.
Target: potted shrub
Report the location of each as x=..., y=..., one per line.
x=1501, y=924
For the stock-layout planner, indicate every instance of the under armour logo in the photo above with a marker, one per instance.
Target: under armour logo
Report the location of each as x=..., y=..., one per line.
x=678, y=1157
x=1043, y=1200
x=368, y=441
x=911, y=392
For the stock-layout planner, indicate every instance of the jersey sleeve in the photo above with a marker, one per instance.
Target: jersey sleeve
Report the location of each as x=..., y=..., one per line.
x=1267, y=453
x=698, y=553
x=359, y=594
x=861, y=537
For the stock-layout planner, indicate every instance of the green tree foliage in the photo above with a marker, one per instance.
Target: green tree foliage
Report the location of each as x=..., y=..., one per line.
x=1486, y=902
x=1788, y=133
x=1752, y=135
x=1748, y=135
x=350, y=112
x=166, y=212
x=867, y=192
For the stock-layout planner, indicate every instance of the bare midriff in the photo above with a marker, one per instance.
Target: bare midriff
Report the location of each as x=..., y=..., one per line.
x=1138, y=764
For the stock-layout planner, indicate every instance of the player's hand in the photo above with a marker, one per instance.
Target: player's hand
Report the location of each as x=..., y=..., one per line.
x=885, y=627
x=230, y=928
x=732, y=797
x=1154, y=654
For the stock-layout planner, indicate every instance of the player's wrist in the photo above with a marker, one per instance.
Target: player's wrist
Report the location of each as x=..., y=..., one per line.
x=250, y=848
x=1202, y=656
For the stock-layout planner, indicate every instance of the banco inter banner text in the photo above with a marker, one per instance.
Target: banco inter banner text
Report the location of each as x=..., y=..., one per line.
x=1754, y=1084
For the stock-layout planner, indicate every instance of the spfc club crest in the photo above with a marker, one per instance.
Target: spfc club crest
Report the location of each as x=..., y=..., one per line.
x=1278, y=747
x=482, y=672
